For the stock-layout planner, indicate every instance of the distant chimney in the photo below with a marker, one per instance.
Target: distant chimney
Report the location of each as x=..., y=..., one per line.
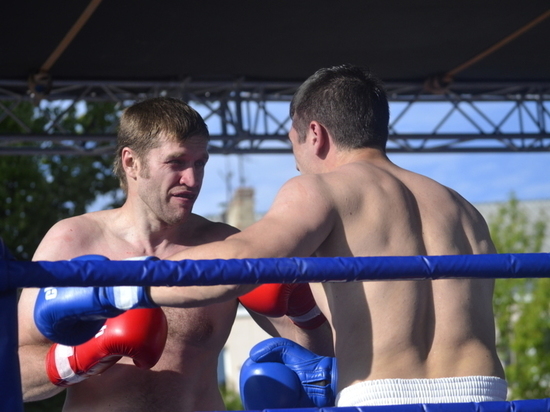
x=240, y=212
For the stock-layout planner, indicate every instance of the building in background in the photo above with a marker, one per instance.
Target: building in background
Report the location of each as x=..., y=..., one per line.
x=241, y=210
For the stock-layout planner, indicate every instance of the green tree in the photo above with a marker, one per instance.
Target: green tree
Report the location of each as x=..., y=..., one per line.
x=37, y=191
x=522, y=306
x=231, y=399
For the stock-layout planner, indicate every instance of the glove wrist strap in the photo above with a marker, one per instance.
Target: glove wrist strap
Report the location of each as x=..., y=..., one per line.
x=131, y=297
x=310, y=320
x=64, y=374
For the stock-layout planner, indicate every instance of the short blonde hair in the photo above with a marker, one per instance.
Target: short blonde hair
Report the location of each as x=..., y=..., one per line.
x=142, y=123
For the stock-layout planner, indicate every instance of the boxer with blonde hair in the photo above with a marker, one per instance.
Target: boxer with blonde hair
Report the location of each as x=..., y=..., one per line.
x=160, y=161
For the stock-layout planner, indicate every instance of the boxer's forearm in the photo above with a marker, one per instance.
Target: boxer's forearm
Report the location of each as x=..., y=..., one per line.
x=35, y=382
x=231, y=248
x=318, y=340
x=195, y=296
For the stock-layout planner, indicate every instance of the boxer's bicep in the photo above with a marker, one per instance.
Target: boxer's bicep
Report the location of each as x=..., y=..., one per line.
x=300, y=219
x=298, y=222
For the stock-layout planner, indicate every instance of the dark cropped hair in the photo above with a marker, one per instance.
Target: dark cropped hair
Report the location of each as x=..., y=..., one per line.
x=142, y=123
x=349, y=101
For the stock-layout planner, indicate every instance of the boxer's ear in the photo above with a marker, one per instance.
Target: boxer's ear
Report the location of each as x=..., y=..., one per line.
x=129, y=162
x=320, y=138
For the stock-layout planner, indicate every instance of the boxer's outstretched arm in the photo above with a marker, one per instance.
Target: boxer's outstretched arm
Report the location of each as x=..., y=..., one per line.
x=195, y=296
x=287, y=230
x=267, y=307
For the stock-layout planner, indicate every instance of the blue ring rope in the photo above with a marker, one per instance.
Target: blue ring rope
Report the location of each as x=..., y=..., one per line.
x=15, y=274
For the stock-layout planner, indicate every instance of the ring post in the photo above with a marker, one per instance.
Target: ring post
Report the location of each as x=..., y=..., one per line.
x=10, y=377
x=11, y=394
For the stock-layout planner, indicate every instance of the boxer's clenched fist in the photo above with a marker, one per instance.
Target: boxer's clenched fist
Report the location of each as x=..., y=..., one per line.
x=73, y=315
x=282, y=374
x=292, y=299
x=139, y=334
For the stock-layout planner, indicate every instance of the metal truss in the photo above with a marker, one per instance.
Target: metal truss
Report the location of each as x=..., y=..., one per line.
x=247, y=117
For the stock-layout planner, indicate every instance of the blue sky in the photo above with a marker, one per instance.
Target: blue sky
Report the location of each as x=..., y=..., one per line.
x=478, y=177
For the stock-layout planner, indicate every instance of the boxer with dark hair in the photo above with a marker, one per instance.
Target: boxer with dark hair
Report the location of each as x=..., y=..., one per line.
x=396, y=342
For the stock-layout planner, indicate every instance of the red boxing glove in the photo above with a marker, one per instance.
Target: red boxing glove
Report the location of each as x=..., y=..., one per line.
x=138, y=333
x=292, y=299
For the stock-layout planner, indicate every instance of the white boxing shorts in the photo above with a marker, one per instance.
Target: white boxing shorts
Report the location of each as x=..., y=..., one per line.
x=411, y=391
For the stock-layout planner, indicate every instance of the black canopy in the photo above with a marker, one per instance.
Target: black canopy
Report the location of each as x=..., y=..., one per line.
x=401, y=40
x=231, y=51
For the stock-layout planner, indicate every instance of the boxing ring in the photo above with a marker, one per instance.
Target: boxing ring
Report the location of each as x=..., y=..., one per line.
x=22, y=274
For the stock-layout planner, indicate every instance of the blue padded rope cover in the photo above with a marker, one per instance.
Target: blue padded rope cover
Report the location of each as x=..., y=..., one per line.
x=11, y=396
x=15, y=274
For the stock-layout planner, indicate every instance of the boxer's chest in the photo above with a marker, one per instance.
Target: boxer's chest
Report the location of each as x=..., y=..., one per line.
x=208, y=326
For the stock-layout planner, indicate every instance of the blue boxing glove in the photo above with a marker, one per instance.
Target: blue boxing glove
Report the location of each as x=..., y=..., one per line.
x=282, y=374
x=73, y=315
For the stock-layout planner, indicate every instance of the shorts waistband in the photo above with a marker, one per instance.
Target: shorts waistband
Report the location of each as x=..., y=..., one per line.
x=410, y=391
